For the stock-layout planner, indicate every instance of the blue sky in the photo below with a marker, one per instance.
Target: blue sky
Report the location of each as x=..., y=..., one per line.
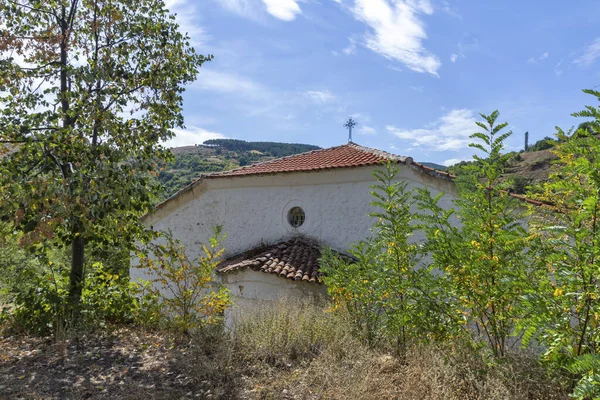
x=415, y=74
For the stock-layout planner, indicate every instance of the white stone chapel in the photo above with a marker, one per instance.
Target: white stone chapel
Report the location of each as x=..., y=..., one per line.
x=279, y=214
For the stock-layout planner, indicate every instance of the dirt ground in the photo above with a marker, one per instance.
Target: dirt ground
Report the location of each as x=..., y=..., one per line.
x=140, y=365
x=121, y=365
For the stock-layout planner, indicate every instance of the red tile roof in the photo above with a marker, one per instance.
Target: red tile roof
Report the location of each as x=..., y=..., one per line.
x=345, y=156
x=297, y=259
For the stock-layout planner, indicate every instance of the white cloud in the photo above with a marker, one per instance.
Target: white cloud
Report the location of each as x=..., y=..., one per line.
x=186, y=12
x=285, y=10
x=397, y=32
x=360, y=117
x=446, y=8
x=557, y=69
x=366, y=130
x=224, y=82
x=449, y=133
x=351, y=49
x=233, y=91
x=192, y=136
x=320, y=96
x=534, y=60
x=240, y=7
x=590, y=54
x=252, y=98
x=453, y=161
x=469, y=45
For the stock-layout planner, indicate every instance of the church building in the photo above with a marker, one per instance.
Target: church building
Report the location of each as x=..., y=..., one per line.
x=279, y=214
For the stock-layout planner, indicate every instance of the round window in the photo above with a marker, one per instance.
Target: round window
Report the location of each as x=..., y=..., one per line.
x=296, y=217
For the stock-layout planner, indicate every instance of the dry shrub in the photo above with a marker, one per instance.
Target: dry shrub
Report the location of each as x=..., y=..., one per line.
x=293, y=350
x=289, y=330
x=208, y=360
x=459, y=372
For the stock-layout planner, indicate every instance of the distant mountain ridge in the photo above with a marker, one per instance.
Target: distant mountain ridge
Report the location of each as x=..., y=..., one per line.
x=275, y=149
x=220, y=155
x=433, y=165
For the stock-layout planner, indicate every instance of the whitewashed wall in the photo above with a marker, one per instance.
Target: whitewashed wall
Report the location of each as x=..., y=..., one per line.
x=251, y=290
x=253, y=211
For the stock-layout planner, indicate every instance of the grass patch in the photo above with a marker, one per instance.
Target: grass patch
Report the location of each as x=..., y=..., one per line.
x=287, y=351
x=301, y=351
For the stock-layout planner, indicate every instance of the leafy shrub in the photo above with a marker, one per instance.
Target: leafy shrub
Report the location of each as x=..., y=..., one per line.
x=587, y=367
x=543, y=144
x=565, y=311
x=185, y=289
x=149, y=313
x=39, y=299
x=108, y=298
x=485, y=268
x=519, y=184
x=388, y=296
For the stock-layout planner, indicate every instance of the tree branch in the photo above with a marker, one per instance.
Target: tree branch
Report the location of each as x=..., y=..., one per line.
x=123, y=93
x=33, y=8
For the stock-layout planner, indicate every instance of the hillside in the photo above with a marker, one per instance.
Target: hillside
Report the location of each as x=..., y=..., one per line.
x=220, y=155
x=528, y=168
x=522, y=169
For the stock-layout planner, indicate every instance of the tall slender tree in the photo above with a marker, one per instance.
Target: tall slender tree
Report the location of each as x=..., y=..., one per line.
x=89, y=89
x=567, y=310
x=483, y=259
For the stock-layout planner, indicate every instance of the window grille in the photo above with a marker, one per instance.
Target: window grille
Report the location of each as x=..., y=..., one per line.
x=296, y=217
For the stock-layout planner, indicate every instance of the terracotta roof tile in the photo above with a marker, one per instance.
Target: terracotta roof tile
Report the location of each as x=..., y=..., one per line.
x=346, y=156
x=296, y=259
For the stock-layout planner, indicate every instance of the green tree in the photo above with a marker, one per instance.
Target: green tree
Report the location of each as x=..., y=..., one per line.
x=384, y=290
x=479, y=248
x=590, y=127
x=88, y=91
x=567, y=305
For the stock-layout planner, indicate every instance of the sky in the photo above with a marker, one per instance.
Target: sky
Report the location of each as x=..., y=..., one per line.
x=414, y=74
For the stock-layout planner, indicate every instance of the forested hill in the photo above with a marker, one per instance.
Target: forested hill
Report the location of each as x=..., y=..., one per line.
x=220, y=155
x=274, y=149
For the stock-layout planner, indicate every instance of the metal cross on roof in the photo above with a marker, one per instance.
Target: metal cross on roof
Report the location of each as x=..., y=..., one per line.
x=350, y=124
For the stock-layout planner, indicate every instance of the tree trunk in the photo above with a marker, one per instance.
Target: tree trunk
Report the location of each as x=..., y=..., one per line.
x=76, y=276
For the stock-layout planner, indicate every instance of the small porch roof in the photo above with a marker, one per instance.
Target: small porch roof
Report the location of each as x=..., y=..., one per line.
x=296, y=259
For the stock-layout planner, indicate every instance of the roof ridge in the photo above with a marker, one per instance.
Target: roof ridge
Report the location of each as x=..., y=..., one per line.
x=381, y=153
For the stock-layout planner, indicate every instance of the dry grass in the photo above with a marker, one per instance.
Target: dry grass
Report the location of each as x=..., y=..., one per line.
x=288, y=351
x=292, y=351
